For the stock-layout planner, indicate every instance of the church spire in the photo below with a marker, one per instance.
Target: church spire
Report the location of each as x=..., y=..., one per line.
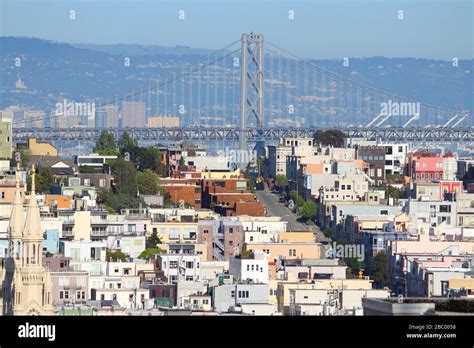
x=32, y=228
x=17, y=217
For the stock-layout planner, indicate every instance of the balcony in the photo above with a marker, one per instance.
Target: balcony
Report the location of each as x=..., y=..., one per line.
x=67, y=233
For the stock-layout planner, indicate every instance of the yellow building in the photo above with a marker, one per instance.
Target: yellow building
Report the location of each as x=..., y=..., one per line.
x=466, y=283
x=296, y=237
x=6, y=139
x=291, y=250
x=221, y=175
x=175, y=231
x=163, y=122
x=36, y=148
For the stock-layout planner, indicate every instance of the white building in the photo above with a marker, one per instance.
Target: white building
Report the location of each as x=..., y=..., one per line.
x=129, y=245
x=83, y=250
x=254, y=269
x=180, y=267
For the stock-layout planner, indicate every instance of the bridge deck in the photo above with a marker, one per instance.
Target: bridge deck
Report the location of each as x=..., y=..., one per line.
x=253, y=134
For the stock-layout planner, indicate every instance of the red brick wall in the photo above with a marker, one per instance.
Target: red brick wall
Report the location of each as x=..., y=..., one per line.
x=186, y=193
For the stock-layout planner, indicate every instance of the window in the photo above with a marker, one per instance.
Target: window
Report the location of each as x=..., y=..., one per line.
x=189, y=278
x=444, y=208
x=80, y=295
x=64, y=294
x=231, y=242
x=243, y=294
x=384, y=212
x=189, y=264
x=231, y=230
x=251, y=238
x=173, y=264
x=101, y=182
x=206, y=231
x=232, y=294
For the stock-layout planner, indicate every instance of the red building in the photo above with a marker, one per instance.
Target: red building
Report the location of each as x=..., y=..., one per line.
x=425, y=167
x=449, y=187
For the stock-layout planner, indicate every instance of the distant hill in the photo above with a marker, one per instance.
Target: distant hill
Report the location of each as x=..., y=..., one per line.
x=53, y=71
x=132, y=50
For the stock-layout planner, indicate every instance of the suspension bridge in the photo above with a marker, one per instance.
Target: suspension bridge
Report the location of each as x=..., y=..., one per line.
x=250, y=91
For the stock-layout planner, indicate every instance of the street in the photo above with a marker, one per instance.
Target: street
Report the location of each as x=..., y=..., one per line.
x=275, y=208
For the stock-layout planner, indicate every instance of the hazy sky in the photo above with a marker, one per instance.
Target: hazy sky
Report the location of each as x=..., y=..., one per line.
x=439, y=29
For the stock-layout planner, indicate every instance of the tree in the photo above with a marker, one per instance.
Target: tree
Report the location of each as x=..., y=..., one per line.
x=331, y=137
x=24, y=158
x=148, y=183
x=299, y=201
x=281, y=180
x=105, y=146
x=247, y=254
x=43, y=181
x=309, y=210
x=153, y=240
x=149, y=252
x=328, y=232
x=126, y=142
x=126, y=176
x=150, y=158
x=378, y=269
x=115, y=255
x=393, y=192
x=354, y=266
x=114, y=202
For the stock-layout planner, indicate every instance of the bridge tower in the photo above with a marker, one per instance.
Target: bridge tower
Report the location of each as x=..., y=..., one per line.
x=251, y=85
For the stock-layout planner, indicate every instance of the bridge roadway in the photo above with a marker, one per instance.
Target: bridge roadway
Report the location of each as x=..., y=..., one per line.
x=253, y=134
